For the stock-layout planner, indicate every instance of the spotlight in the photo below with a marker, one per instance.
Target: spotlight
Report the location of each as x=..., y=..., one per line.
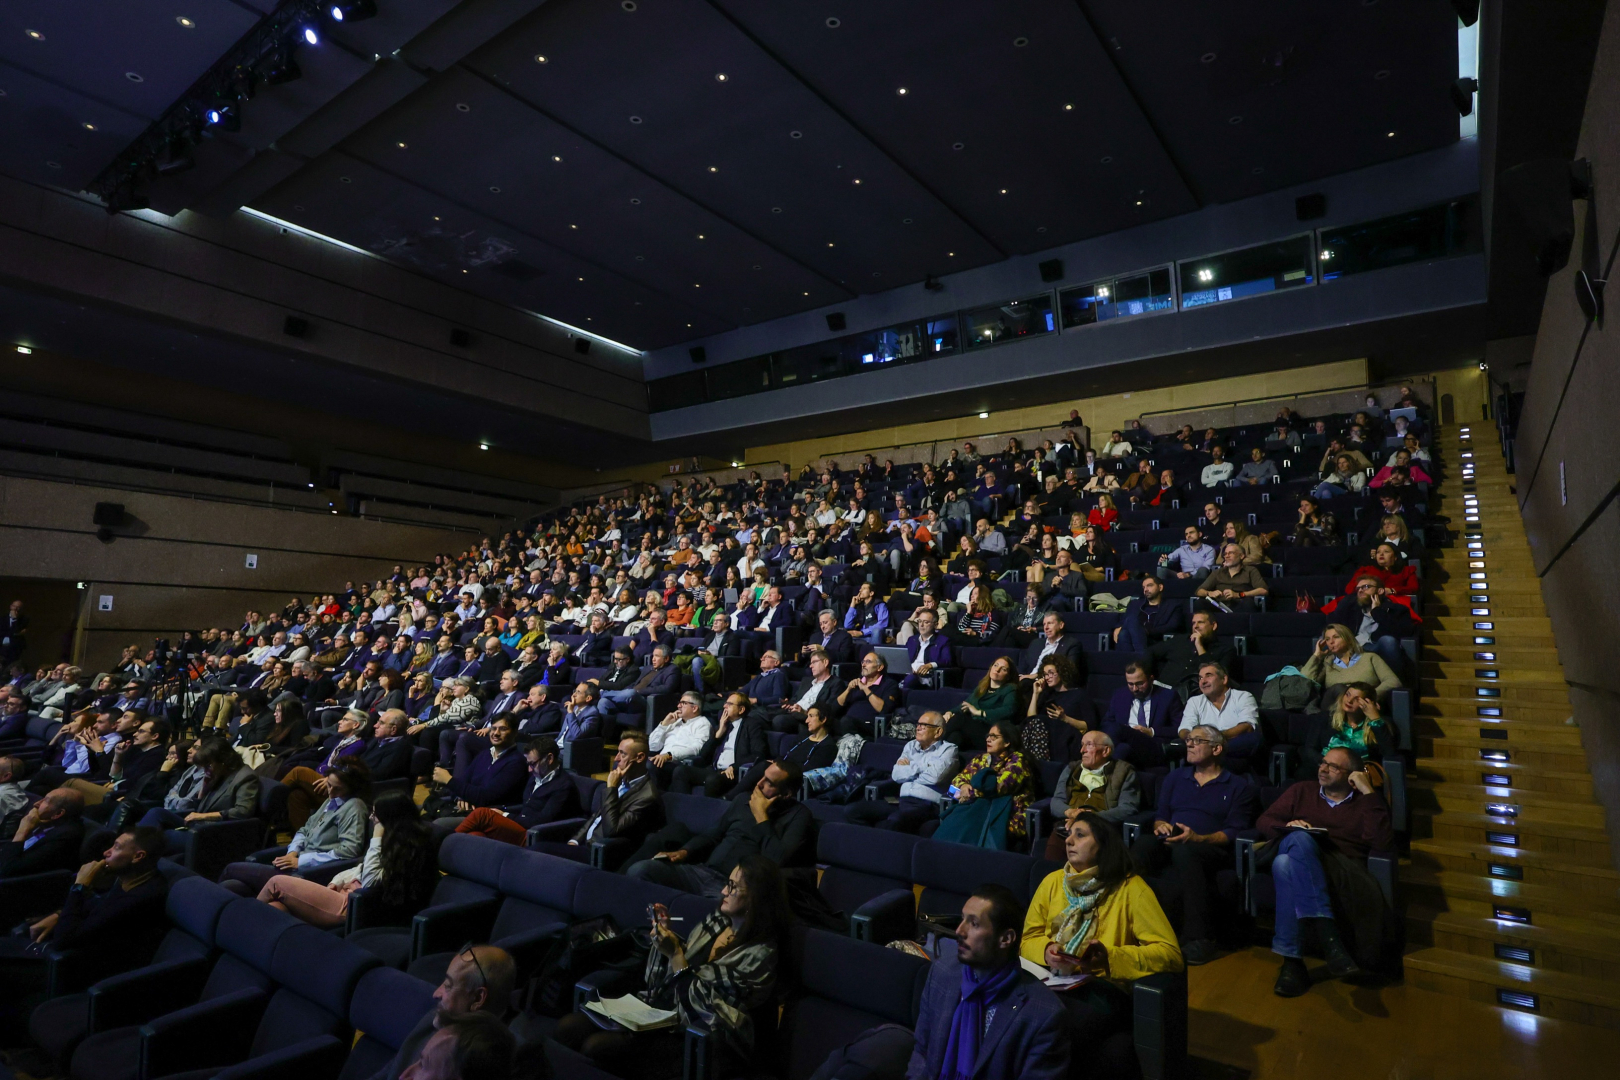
x=353, y=10
x=224, y=117
x=311, y=35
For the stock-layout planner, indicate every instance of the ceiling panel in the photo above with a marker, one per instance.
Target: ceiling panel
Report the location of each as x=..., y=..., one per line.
x=758, y=146
x=1274, y=93
x=353, y=201
x=1012, y=112
x=518, y=166
x=52, y=135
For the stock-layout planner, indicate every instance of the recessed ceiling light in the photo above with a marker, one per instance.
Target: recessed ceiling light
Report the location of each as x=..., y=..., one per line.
x=540, y=58
x=628, y=5
x=1107, y=159
x=832, y=24
x=905, y=221
x=635, y=119
x=581, y=279
x=1020, y=42
x=556, y=157
x=756, y=266
x=1207, y=58
x=1391, y=135
x=776, y=209
x=1138, y=202
x=795, y=134
x=35, y=34
x=807, y=294
x=345, y=180
x=573, y=226
x=88, y=126
x=700, y=236
x=185, y=22
x=1234, y=119
x=435, y=216
x=1004, y=191
x=635, y=202
x=695, y=285
x=902, y=91
x=957, y=145
x=493, y=190
x=856, y=180
x=462, y=106
x=719, y=76
x=1381, y=73
x=1068, y=107
x=402, y=146
x=134, y=76
x=829, y=245
x=713, y=169
x=952, y=254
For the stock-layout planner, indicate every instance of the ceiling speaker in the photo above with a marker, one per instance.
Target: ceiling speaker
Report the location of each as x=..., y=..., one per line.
x=1052, y=270
x=698, y=354
x=108, y=514
x=582, y=345
x=1537, y=195
x=835, y=320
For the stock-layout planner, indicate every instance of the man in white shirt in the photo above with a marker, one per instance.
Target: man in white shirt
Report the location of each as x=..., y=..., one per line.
x=1217, y=472
x=678, y=739
x=1234, y=713
x=773, y=612
x=923, y=769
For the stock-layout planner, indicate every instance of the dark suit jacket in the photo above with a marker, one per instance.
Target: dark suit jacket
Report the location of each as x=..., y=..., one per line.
x=56, y=849
x=631, y=816
x=827, y=700
x=664, y=680
x=1028, y=1035
x=546, y=718
x=939, y=654
x=529, y=674
x=751, y=744
x=596, y=650
x=389, y=760
x=1164, y=707
x=1068, y=645
x=839, y=645
x=644, y=643
x=1144, y=623
x=557, y=799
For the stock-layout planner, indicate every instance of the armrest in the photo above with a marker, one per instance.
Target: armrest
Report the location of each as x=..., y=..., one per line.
x=1243, y=855
x=884, y=918
x=1282, y=764
x=324, y=873
x=561, y=831
x=700, y=1057
x=1383, y=866
x=532, y=948
x=267, y=855
x=1037, y=822
x=317, y=1058
x=1395, y=782
x=607, y=983
x=33, y=894
x=1159, y=1025
x=366, y=910
x=882, y=789
x=1401, y=703
x=213, y=1033
x=446, y=926
x=137, y=996
x=609, y=852
x=210, y=846
x=1131, y=831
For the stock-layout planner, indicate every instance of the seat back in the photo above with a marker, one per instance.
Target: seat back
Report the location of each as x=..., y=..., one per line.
x=847, y=987
x=193, y=909
x=862, y=863
x=247, y=934
x=316, y=976
x=950, y=872
x=386, y=1005
x=538, y=890
x=472, y=868
x=624, y=898
x=694, y=811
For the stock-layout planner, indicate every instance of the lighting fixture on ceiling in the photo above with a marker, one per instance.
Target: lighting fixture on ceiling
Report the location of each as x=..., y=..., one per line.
x=402, y=146
x=1069, y=107
x=700, y=236
x=88, y=126
x=856, y=180
x=1389, y=135
x=720, y=76
x=35, y=34
x=1020, y=42
x=713, y=169
x=1004, y=191
x=902, y=91
x=556, y=157
x=483, y=446
x=224, y=117
x=540, y=58
x=573, y=226
x=185, y=22
x=311, y=35
x=134, y=76
x=282, y=68
x=25, y=350
x=353, y=10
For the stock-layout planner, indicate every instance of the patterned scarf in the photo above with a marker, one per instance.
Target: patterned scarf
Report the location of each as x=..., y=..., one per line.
x=1084, y=894
x=979, y=992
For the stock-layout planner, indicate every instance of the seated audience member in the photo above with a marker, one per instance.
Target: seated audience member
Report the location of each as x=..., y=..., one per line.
x=1379, y=620
x=1098, y=784
x=1314, y=527
x=1142, y=718
x=399, y=866
x=678, y=739
x=723, y=641
x=1390, y=568
x=1193, y=558
x=457, y=705
x=597, y=648
x=1097, y=916
x=306, y=783
x=133, y=760
x=737, y=743
x=1339, y=659
x=1233, y=712
x=1315, y=873
x=928, y=649
x=771, y=822
x=867, y=617
x=631, y=806
x=335, y=831
x=549, y=794
x=830, y=638
x=1059, y=712
x=1355, y=722
x=1052, y=641
x=622, y=674
x=1177, y=658
x=865, y=698
x=495, y=776
x=1256, y=471
x=646, y=640
x=923, y=771
x=472, y=1047
x=819, y=688
x=13, y=788
x=581, y=718
x=769, y=688
x=228, y=791
x=1252, y=547
x=724, y=972
x=987, y=798
x=1218, y=473
x=1200, y=810
x=114, y=908
x=661, y=678
x=984, y=1017
x=47, y=838
x=1232, y=583
x=993, y=701
x=1149, y=618
x=478, y=982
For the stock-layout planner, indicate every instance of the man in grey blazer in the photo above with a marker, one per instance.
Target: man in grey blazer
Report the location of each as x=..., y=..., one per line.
x=982, y=1013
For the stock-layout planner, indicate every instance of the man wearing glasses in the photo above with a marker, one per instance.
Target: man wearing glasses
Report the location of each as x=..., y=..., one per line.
x=1142, y=716
x=923, y=770
x=1200, y=811
x=479, y=979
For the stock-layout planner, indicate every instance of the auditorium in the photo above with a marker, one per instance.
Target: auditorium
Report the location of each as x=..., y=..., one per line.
x=747, y=539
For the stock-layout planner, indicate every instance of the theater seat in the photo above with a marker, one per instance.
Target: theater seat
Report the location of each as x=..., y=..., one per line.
x=466, y=895
x=386, y=1005
x=846, y=987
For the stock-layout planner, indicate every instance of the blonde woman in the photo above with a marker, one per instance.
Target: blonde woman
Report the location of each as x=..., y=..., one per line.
x=1338, y=660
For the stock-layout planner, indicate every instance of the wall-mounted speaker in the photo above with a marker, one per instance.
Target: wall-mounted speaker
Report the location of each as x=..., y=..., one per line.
x=1052, y=270
x=460, y=338
x=698, y=354
x=108, y=514
x=582, y=345
x=835, y=320
x=1310, y=207
x=293, y=326
x=1537, y=195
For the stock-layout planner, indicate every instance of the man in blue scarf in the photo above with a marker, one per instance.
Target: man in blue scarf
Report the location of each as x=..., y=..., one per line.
x=983, y=1017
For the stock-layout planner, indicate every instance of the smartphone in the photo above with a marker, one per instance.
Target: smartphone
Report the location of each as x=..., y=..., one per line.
x=953, y=791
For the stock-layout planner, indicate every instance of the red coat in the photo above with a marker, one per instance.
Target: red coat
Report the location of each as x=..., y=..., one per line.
x=1403, y=581
x=1103, y=519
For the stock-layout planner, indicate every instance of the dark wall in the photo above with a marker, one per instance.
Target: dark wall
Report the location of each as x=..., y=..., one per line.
x=1569, y=458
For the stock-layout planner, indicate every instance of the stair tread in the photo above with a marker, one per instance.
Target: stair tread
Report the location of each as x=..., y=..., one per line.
x=1489, y=852
x=1504, y=973
x=1540, y=799
x=1586, y=941
x=1596, y=906
x=1589, y=833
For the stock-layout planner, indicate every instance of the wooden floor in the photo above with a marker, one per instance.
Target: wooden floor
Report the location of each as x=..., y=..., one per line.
x=1378, y=1033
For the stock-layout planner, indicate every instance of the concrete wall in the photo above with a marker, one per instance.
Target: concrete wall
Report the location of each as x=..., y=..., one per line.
x=1568, y=457
x=181, y=563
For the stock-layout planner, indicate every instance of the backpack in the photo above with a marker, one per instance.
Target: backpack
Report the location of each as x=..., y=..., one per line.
x=1106, y=602
x=1288, y=689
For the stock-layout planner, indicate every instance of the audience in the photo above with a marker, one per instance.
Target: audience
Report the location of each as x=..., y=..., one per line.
x=985, y=804
x=1095, y=784
x=923, y=771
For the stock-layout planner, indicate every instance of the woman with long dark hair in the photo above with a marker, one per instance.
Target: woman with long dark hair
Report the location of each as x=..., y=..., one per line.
x=724, y=973
x=1097, y=916
x=401, y=868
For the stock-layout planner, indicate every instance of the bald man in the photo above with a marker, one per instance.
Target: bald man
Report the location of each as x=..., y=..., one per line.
x=479, y=979
x=47, y=838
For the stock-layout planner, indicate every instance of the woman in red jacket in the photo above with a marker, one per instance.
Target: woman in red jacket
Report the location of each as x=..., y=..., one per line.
x=1397, y=575
x=1104, y=514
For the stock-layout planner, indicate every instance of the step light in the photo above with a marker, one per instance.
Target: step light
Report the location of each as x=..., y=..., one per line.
x=1484, y=641
x=1476, y=546
x=1487, y=691
x=1479, y=598
x=1486, y=673
x=1503, y=839
x=1498, y=779
x=1502, y=809
x=1509, y=873
x=1484, y=626
x=1480, y=611
x=1513, y=915
x=1514, y=953
x=1516, y=999
x=1500, y=756
x=1485, y=656
x=1467, y=454
x=1493, y=733
x=1492, y=711
x=1477, y=564
x=1472, y=536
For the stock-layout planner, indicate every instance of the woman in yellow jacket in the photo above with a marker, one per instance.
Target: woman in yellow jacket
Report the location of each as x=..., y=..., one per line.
x=1096, y=916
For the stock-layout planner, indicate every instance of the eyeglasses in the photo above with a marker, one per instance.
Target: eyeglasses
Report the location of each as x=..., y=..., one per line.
x=467, y=951
x=1200, y=742
x=736, y=888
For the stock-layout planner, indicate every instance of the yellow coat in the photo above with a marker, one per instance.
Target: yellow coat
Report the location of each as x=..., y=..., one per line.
x=1130, y=924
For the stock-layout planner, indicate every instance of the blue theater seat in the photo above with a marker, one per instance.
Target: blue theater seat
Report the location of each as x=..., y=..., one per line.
x=467, y=895
x=386, y=1005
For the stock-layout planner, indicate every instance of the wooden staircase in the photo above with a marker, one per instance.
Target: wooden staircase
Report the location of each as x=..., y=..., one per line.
x=1511, y=895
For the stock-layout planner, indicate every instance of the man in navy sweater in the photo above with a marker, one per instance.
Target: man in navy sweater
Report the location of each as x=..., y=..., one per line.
x=494, y=777
x=549, y=794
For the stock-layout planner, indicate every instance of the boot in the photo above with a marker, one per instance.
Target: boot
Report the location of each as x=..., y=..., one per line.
x=1339, y=961
x=1292, y=980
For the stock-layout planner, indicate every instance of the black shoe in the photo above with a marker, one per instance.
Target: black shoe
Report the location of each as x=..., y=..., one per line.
x=1339, y=961
x=1199, y=951
x=1292, y=978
